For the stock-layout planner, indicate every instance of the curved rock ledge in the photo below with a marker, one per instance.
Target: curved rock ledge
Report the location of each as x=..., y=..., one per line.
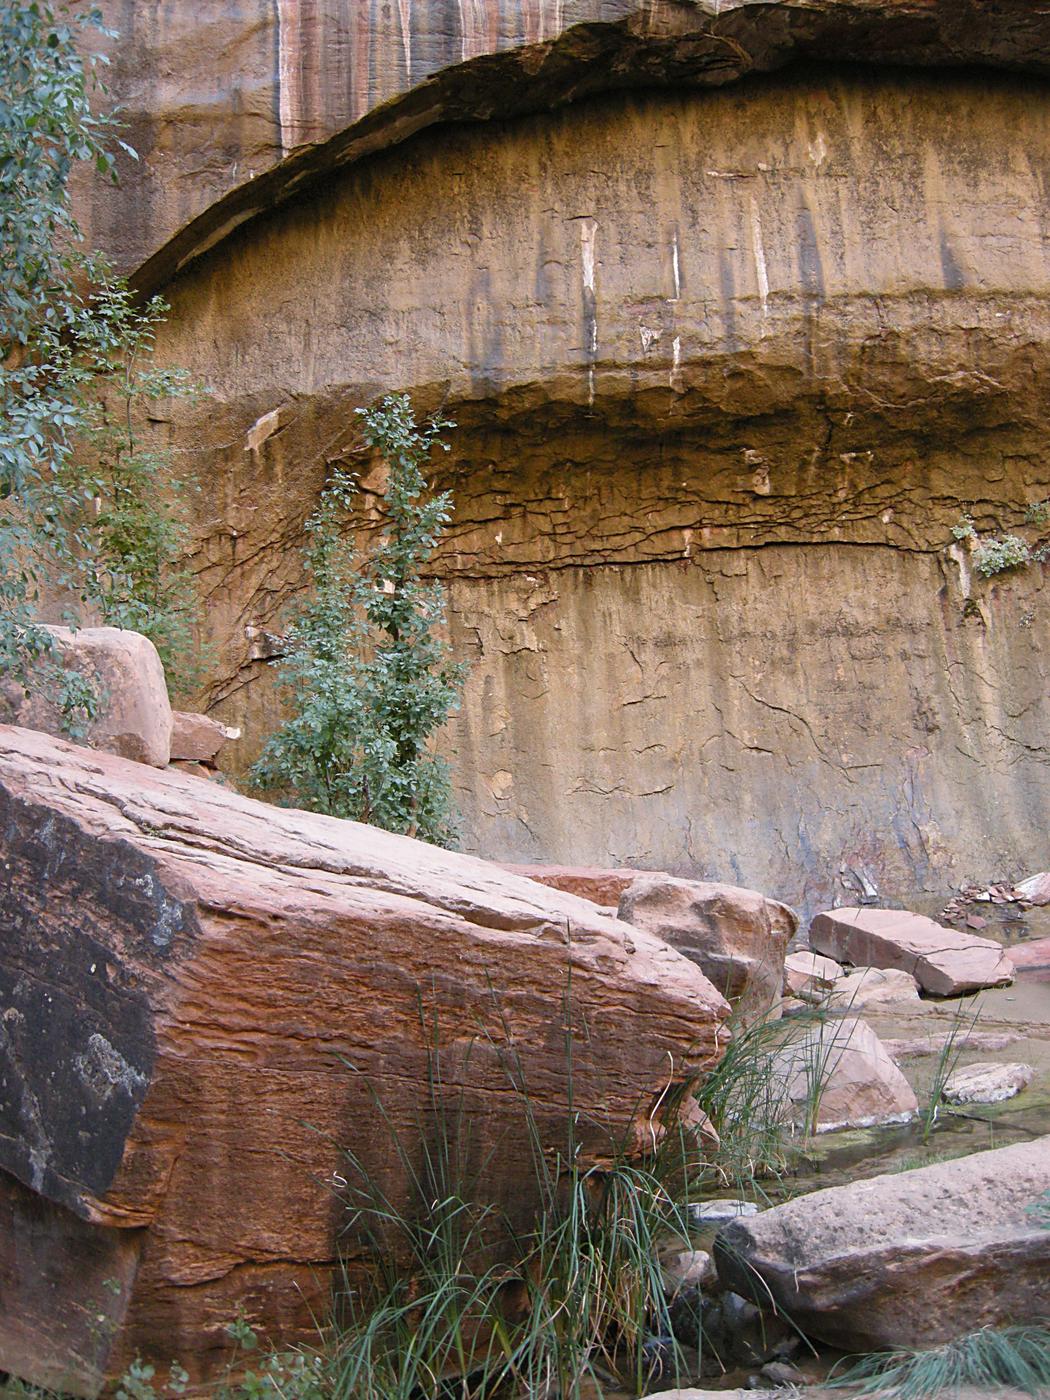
x=234, y=109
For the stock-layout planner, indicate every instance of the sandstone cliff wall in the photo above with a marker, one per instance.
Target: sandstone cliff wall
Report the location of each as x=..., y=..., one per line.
x=727, y=368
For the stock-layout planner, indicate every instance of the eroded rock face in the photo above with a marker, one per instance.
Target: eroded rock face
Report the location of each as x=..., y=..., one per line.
x=184, y=975
x=720, y=403
x=912, y=1259
x=942, y=960
x=738, y=937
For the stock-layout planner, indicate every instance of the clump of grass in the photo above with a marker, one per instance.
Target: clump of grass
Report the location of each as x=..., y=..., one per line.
x=748, y=1096
x=465, y=1303
x=991, y=1359
x=955, y=1041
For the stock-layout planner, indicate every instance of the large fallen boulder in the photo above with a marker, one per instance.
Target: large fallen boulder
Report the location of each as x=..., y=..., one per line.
x=911, y=1259
x=738, y=937
x=185, y=977
x=125, y=674
x=942, y=960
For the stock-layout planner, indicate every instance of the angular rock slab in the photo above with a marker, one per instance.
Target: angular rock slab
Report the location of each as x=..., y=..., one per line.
x=912, y=1259
x=185, y=975
x=839, y=1075
x=198, y=738
x=738, y=937
x=134, y=718
x=600, y=886
x=942, y=960
x=810, y=976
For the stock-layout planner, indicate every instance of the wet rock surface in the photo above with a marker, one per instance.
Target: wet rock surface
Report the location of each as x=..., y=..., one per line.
x=987, y=1083
x=184, y=975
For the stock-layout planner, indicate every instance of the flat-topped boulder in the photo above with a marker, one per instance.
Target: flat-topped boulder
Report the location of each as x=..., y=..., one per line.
x=910, y=1259
x=186, y=977
x=944, y=961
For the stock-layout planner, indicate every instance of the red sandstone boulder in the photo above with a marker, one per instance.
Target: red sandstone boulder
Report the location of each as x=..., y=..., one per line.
x=134, y=718
x=184, y=975
x=942, y=960
x=838, y=1074
x=738, y=937
x=910, y=1259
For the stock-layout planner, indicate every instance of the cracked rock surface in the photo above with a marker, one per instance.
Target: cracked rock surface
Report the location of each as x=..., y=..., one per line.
x=727, y=367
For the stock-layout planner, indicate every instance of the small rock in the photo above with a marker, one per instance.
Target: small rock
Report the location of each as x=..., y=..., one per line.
x=933, y=1044
x=783, y=1373
x=718, y=1212
x=987, y=1083
x=693, y=1268
x=198, y=738
x=872, y=986
x=1034, y=890
x=810, y=976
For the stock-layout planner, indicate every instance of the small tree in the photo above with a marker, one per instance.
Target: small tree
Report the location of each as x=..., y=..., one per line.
x=368, y=679
x=86, y=516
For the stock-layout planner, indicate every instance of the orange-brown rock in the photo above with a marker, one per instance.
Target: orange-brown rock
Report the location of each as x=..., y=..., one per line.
x=603, y=887
x=738, y=937
x=185, y=976
x=197, y=738
x=126, y=679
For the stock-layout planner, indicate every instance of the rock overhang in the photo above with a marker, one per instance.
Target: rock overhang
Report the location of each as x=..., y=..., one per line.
x=320, y=86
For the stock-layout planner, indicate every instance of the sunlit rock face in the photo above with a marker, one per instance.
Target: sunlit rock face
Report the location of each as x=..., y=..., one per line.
x=727, y=367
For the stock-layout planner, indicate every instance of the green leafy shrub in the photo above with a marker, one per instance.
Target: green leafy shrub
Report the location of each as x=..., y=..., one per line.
x=89, y=521
x=996, y=556
x=368, y=679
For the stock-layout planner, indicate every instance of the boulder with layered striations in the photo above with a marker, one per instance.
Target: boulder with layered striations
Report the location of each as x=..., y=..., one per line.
x=185, y=978
x=912, y=1259
x=943, y=961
